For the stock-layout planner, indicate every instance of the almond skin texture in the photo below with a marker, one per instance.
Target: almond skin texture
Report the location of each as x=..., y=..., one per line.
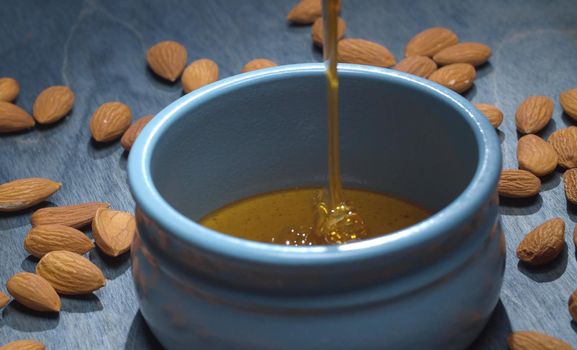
x=536, y=155
x=34, y=292
x=198, y=74
x=70, y=273
x=492, y=113
x=360, y=51
x=568, y=100
x=9, y=89
x=167, y=59
x=543, y=244
x=318, y=31
x=24, y=193
x=44, y=239
x=570, y=185
x=458, y=77
x=421, y=66
x=24, y=344
x=113, y=231
x=258, y=63
x=469, y=52
x=533, y=114
x=110, y=121
x=515, y=183
x=4, y=299
x=133, y=131
x=76, y=216
x=430, y=41
x=527, y=340
x=573, y=305
x=564, y=141
x=305, y=12
x=14, y=118
x=53, y=104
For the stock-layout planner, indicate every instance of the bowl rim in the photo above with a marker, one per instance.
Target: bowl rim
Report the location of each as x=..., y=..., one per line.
x=479, y=190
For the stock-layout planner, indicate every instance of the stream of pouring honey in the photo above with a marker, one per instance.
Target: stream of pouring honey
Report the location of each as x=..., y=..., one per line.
x=337, y=220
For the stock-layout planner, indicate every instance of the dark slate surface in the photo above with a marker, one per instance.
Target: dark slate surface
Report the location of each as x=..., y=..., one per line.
x=97, y=48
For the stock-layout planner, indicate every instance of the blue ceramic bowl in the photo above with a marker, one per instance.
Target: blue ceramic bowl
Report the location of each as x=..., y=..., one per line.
x=429, y=286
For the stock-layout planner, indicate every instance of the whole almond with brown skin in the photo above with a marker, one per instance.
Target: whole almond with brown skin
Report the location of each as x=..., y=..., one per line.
x=543, y=244
x=568, y=100
x=492, y=113
x=198, y=74
x=113, y=231
x=76, y=216
x=133, y=131
x=360, y=51
x=468, y=52
x=24, y=193
x=110, y=121
x=44, y=239
x=70, y=273
x=570, y=185
x=421, y=66
x=564, y=141
x=9, y=89
x=533, y=114
x=430, y=41
x=527, y=340
x=167, y=59
x=536, y=155
x=53, y=104
x=257, y=63
x=515, y=183
x=4, y=299
x=305, y=12
x=573, y=305
x=24, y=344
x=14, y=118
x=34, y=292
x=458, y=77
x=318, y=30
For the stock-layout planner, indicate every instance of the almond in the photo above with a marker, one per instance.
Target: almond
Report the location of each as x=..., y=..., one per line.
x=76, y=216
x=318, y=30
x=536, y=155
x=4, y=299
x=113, y=231
x=360, y=51
x=167, y=59
x=305, y=12
x=133, y=131
x=24, y=344
x=516, y=183
x=543, y=244
x=492, y=113
x=527, y=340
x=257, y=63
x=458, y=77
x=533, y=114
x=469, y=52
x=421, y=66
x=70, y=273
x=568, y=100
x=9, y=89
x=24, y=193
x=110, y=121
x=430, y=41
x=44, y=239
x=570, y=185
x=53, y=104
x=573, y=305
x=198, y=74
x=14, y=118
x=564, y=141
x=34, y=292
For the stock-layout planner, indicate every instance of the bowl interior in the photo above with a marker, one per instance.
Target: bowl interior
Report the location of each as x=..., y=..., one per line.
x=398, y=136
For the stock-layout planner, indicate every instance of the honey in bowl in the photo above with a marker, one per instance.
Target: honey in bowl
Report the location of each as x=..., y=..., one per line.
x=302, y=217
